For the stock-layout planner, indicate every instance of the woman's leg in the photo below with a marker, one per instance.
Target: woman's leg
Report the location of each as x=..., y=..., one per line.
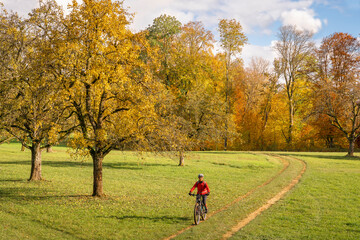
x=204, y=201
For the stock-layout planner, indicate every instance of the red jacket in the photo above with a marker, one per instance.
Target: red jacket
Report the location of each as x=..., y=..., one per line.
x=202, y=188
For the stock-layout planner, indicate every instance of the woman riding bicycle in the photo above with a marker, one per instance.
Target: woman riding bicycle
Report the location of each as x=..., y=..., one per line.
x=202, y=190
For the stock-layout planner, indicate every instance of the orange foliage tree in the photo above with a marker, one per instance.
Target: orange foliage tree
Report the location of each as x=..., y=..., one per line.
x=338, y=84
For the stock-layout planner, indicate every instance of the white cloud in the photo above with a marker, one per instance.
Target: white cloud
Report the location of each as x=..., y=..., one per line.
x=22, y=7
x=252, y=14
x=302, y=20
x=251, y=51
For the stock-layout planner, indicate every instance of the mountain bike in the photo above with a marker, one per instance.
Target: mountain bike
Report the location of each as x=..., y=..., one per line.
x=199, y=210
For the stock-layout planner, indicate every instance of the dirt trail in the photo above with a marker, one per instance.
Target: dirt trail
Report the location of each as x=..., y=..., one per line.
x=285, y=166
x=270, y=202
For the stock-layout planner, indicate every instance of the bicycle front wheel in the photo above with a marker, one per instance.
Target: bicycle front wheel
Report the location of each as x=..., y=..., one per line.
x=203, y=213
x=197, y=213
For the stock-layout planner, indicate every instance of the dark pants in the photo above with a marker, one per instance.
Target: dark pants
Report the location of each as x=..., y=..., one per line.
x=203, y=198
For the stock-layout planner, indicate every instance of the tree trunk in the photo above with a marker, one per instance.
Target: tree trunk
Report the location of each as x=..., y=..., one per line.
x=35, y=162
x=97, y=171
x=291, y=125
x=182, y=158
x=351, y=147
x=227, y=102
x=49, y=149
x=330, y=141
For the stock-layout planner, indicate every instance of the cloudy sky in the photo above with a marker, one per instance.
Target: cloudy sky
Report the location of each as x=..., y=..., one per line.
x=260, y=19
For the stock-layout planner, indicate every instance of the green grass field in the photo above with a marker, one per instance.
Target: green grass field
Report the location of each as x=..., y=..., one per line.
x=147, y=196
x=325, y=205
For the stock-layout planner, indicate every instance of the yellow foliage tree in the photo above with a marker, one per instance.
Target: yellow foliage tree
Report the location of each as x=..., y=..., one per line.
x=232, y=39
x=108, y=85
x=31, y=100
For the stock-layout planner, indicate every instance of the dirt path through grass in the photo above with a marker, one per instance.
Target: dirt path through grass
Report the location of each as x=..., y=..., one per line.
x=269, y=203
x=285, y=163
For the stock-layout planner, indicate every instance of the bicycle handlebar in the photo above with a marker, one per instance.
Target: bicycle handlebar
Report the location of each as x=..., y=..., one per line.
x=195, y=194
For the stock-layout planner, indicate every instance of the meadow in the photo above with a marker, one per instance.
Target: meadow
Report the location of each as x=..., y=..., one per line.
x=146, y=196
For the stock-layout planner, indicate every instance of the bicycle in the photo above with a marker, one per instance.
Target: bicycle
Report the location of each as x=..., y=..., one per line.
x=199, y=210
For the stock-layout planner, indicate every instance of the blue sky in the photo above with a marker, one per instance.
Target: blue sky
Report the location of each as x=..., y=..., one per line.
x=260, y=19
x=342, y=16
x=335, y=15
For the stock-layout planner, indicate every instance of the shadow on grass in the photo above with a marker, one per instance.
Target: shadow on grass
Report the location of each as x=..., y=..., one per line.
x=325, y=156
x=25, y=194
x=15, y=192
x=118, y=165
x=251, y=167
x=219, y=152
x=13, y=180
x=155, y=219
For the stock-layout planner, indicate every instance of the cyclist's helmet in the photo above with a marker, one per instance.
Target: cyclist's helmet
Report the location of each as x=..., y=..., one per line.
x=201, y=175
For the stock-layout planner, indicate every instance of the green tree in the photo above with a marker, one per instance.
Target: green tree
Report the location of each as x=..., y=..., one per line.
x=161, y=34
x=186, y=58
x=198, y=102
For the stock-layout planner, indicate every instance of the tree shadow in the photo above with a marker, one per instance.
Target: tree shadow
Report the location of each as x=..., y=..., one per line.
x=116, y=165
x=28, y=193
x=219, y=152
x=13, y=180
x=325, y=156
x=249, y=166
x=155, y=219
x=15, y=192
x=51, y=163
x=135, y=166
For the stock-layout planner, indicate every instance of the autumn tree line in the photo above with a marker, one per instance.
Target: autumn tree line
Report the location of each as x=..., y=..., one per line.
x=86, y=79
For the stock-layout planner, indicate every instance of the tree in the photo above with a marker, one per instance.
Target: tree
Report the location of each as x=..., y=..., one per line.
x=31, y=108
x=324, y=130
x=192, y=101
x=108, y=87
x=293, y=47
x=255, y=90
x=193, y=80
x=161, y=34
x=337, y=84
x=232, y=39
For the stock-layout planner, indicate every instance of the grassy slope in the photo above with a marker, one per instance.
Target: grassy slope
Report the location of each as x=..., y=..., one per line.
x=147, y=197
x=326, y=205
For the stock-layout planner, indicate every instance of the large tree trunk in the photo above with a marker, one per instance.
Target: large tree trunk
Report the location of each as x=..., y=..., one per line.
x=97, y=171
x=181, y=158
x=35, y=174
x=351, y=147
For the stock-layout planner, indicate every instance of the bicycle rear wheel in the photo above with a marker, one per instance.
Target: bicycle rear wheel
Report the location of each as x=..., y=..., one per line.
x=197, y=213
